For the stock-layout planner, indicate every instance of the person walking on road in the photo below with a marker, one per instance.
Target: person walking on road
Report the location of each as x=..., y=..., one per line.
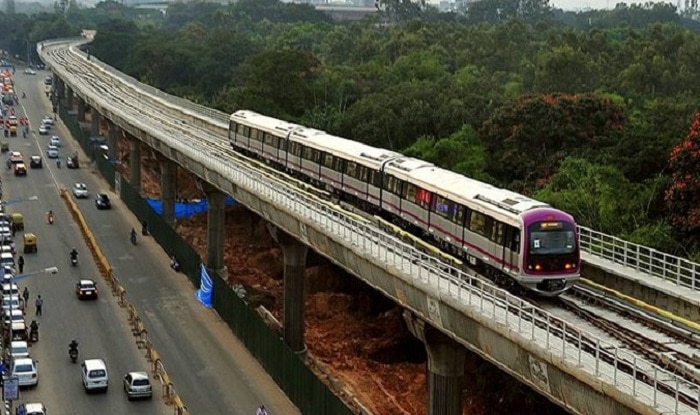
x=20, y=263
x=25, y=295
x=39, y=304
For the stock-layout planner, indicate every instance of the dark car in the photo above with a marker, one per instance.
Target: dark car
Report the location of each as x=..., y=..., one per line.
x=102, y=201
x=86, y=289
x=36, y=162
x=72, y=162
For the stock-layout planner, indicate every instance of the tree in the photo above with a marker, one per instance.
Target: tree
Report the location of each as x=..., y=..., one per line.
x=597, y=196
x=683, y=195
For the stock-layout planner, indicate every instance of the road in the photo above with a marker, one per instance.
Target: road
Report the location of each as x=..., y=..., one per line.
x=210, y=369
x=100, y=326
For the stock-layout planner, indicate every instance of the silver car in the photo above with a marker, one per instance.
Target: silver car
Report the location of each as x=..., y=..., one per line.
x=137, y=385
x=80, y=191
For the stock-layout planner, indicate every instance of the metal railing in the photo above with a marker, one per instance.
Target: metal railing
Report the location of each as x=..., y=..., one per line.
x=674, y=269
x=492, y=306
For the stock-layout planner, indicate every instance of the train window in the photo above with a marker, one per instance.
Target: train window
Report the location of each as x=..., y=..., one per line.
x=282, y=145
x=246, y=131
x=351, y=168
x=338, y=164
x=423, y=198
x=442, y=206
x=295, y=149
x=498, y=232
x=409, y=192
x=392, y=184
x=458, y=216
x=377, y=178
x=363, y=174
x=269, y=139
x=328, y=161
x=477, y=222
x=240, y=128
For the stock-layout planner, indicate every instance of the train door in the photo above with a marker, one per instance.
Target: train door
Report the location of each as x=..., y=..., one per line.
x=498, y=248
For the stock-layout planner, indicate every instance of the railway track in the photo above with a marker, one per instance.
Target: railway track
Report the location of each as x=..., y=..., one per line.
x=649, y=337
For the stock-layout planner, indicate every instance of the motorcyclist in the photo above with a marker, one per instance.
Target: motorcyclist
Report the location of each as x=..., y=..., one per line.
x=132, y=235
x=34, y=329
x=73, y=346
x=24, y=95
x=49, y=216
x=261, y=410
x=74, y=254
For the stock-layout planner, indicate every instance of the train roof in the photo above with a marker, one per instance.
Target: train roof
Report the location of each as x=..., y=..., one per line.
x=263, y=122
x=473, y=193
x=344, y=148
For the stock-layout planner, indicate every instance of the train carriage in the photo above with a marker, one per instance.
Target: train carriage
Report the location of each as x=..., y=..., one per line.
x=349, y=168
x=260, y=136
x=402, y=198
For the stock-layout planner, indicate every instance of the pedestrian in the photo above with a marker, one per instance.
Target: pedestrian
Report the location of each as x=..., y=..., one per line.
x=25, y=294
x=20, y=262
x=14, y=229
x=39, y=304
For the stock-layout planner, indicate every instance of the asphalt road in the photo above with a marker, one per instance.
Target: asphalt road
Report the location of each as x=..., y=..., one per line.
x=211, y=370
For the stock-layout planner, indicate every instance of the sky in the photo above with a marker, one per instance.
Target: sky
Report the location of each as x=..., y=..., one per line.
x=598, y=4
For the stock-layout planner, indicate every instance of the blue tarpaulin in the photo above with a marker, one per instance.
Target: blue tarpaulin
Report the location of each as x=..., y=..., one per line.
x=184, y=210
x=206, y=287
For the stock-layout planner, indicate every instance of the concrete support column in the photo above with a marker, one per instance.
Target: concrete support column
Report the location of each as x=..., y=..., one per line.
x=81, y=110
x=95, y=122
x=216, y=228
x=135, y=163
x=69, y=98
x=112, y=141
x=445, y=367
x=168, y=186
x=293, y=305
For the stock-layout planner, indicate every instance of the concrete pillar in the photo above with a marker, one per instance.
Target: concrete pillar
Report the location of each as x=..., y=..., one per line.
x=445, y=367
x=81, y=110
x=293, y=304
x=95, y=122
x=135, y=163
x=216, y=228
x=69, y=98
x=112, y=141
x=168, y=186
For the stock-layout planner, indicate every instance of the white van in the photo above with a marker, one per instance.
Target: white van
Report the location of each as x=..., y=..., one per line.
x=94, y=372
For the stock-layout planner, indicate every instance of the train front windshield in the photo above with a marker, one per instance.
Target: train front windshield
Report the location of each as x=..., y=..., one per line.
x=552, y=247
x=548, y=238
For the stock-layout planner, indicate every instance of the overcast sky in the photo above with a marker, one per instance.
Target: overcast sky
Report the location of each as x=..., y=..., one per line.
x=597, y=4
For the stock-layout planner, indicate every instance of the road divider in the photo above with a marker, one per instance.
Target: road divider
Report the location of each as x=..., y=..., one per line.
x=138, y=328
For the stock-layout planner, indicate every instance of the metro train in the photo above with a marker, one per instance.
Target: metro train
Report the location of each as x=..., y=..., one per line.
x=510, y=237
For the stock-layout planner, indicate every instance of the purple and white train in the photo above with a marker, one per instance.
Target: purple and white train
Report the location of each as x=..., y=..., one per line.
x=511, y=237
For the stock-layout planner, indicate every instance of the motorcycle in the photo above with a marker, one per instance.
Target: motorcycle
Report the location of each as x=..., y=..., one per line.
x=34, y=336
x=73, y=354
x=50, y=217
x=74, y=261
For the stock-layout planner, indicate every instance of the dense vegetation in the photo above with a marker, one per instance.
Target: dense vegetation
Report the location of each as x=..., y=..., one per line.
x=592, y=112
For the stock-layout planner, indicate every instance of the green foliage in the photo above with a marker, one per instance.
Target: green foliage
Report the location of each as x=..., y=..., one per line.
x=683, y=195
x=597, y=196
x=527, y=138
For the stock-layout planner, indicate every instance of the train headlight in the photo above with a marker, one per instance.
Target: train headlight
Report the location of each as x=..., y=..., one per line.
x=568, y=266
x=538, y=267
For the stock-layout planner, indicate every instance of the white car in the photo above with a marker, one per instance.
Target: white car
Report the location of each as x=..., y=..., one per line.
x=14, y=316
x=30, y=71
x=48, y=120
x=19, y=349
x=52, y=152
x=43, y=130
x=12, y=303
x=80, y=190
x=26, y=370
x=55, y=141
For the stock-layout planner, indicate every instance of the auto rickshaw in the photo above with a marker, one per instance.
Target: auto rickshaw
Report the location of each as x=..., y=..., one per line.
x=29, y=243
x=18, y=221
x=4, y=146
